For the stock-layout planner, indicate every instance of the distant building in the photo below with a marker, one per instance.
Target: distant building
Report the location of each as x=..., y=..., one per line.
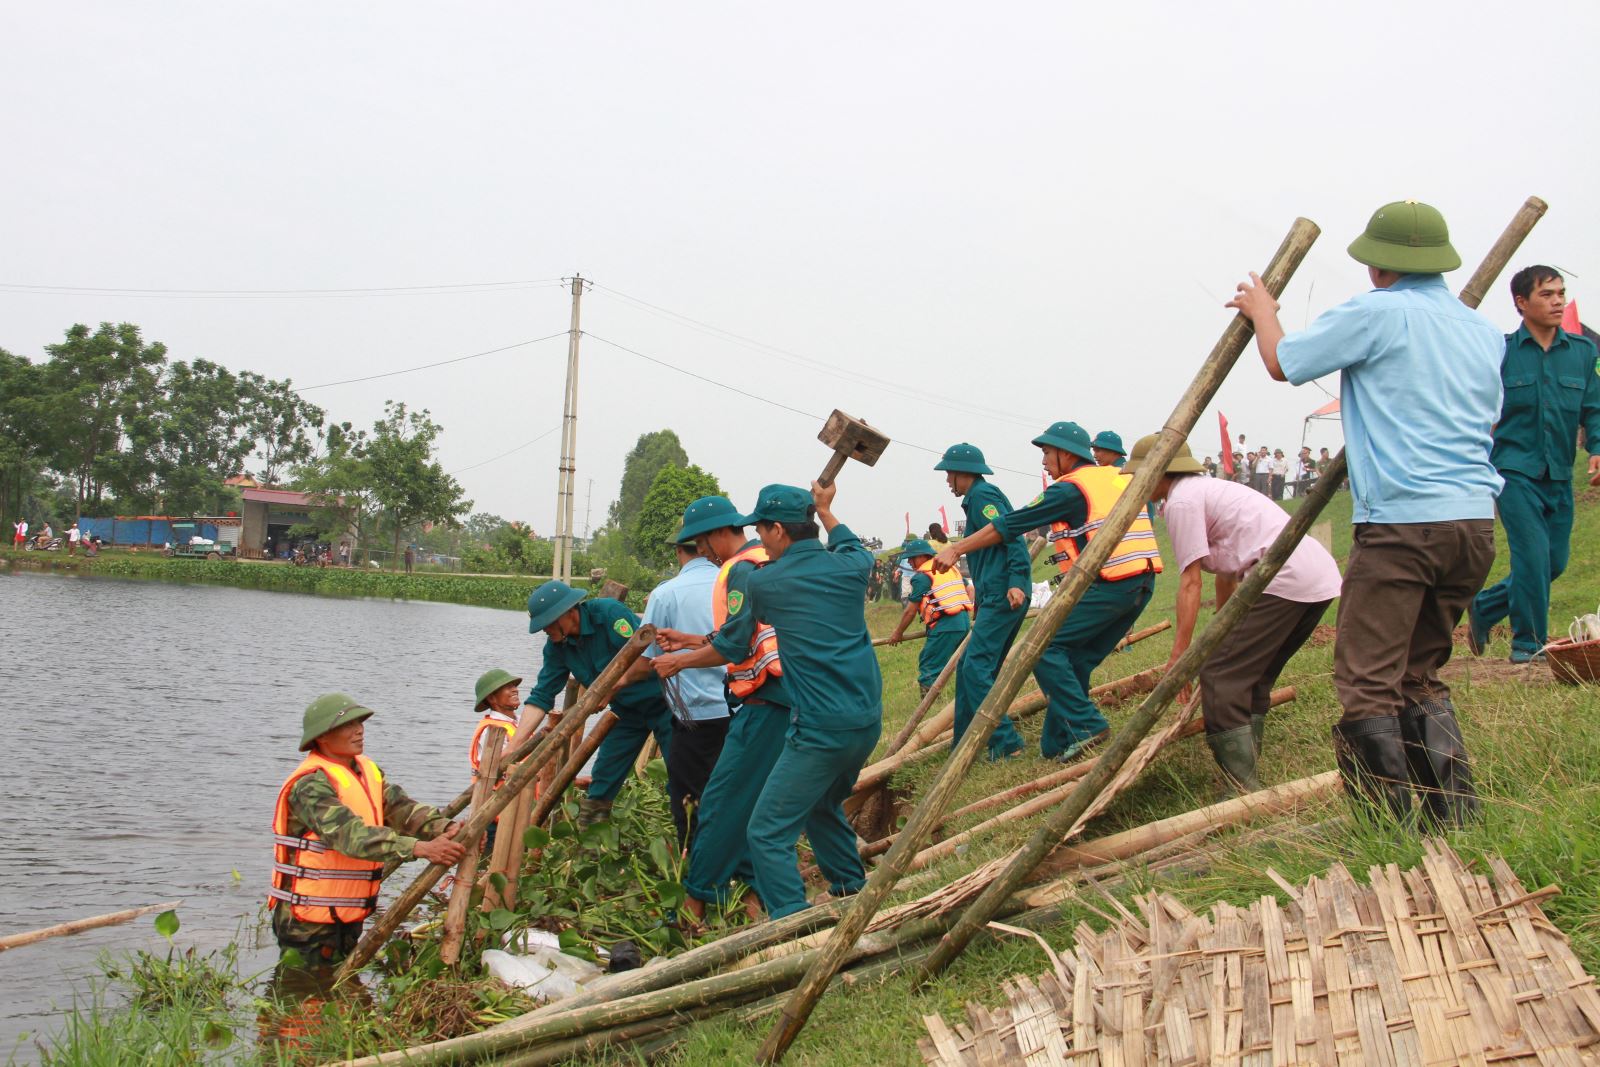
x=242, y=481
x=268, y=516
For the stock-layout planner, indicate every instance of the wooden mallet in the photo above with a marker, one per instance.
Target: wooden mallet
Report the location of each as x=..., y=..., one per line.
x=850, y=438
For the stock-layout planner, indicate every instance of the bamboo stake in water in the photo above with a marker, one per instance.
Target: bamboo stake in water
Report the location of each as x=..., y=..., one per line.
x=455, y=919
x=77, y=926
x=1026, y=653
x=546, y=749
x=1060, y=821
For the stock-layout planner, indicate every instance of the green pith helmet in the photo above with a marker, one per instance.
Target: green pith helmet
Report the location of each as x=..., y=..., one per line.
x=549, y=602
x=781, y=503
x=1182, y=463
x=1110, y=441
x=492, y=682
x=917, y=546
x=1069, y=437
x=1408, y=237
x=326, y=712
x=707, y=514
x=963, y=458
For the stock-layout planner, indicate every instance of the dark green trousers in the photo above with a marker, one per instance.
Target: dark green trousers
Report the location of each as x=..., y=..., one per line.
x=1537, y=516
x=719, y=852
x=937, y=648
x=994, y=628
x=622, y=746
x=1090, y=634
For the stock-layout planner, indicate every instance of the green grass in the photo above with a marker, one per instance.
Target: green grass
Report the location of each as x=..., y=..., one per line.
x=479, y=590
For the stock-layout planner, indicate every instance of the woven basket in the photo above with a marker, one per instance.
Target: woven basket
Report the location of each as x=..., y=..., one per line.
x=1574, y=662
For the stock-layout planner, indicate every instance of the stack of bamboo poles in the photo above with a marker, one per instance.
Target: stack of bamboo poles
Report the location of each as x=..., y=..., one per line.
x=622, y=1008
x=1436, y=964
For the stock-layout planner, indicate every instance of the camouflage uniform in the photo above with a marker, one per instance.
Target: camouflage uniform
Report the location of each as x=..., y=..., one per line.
x=314, y=806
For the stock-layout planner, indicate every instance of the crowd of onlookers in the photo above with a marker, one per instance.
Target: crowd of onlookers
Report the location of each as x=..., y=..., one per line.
x=1270, y=473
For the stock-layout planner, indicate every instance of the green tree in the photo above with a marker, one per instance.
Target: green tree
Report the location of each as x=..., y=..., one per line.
x=24, y=439
x=100, y=386
x=340, y=488
x=282, y=427
x=661, y=514
x=406, y=480
x=199, y=436
x=652, y=452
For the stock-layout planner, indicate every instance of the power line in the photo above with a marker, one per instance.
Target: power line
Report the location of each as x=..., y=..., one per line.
x=41, y=289
x=764, y=399
x=507, y=452
x=890, y=385
x=429, y=366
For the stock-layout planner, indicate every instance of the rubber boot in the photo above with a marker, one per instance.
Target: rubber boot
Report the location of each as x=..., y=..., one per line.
x=1258, y=730
x=1372, y=763
x=1440, y=769
x=592, y=811
x=1235, y=751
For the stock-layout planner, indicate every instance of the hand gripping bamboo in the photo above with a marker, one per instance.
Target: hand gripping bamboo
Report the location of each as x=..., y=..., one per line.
x=1025, y=654
x=546, y=749
x=1061, y=820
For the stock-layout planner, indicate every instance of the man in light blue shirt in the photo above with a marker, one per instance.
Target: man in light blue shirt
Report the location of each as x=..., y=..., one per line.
x=1419, y=395
x=699, y=706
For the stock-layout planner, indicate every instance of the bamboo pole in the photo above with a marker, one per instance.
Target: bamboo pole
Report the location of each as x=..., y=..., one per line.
x=1026, y=653
x=1049, y=782
x=506, y=860
x=1060, y=821
x=542, y=753
x=569, y=770
x=78, y=926
x=929, y=697
x=455, y=919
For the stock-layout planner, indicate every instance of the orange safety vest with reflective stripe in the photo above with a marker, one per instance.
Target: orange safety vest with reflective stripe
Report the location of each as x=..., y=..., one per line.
x=319, y=884
x=762, y=663
x=947, y=597
x=486, y=723
x=1101, y=487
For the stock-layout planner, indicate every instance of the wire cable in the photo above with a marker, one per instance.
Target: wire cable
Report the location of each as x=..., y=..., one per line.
x=39, y=289
x=440, y=363
x=507, y=452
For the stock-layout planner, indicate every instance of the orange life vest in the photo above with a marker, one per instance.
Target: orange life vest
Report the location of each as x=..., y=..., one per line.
x=486, y=723
x=762, y=663
x=1102, y=487
x=319, y=884
x=948, y=595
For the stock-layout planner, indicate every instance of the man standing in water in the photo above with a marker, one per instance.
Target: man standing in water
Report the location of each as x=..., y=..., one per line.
x=337, y=822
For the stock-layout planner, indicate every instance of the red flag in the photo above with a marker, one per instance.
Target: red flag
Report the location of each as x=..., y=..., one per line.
x=1227, y=445
x=944, y=521
x=1569, y=319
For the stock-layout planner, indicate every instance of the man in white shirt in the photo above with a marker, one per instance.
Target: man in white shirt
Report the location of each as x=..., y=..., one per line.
x=1280, y=473
x=1223, y=528
x=73, y=534
x=1262, y=482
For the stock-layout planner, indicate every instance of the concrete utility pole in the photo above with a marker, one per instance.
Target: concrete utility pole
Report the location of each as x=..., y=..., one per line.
x=569, y=443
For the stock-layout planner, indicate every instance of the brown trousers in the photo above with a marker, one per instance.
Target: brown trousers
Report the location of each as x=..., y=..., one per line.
x=1236, y=682
x=1406, y=586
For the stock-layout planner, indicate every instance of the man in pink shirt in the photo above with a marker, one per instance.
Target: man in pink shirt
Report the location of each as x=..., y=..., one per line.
x=1223, y=528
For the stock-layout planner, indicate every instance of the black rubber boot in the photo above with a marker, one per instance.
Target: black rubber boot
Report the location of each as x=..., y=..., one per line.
x=1258, y=730
x=1235, y=752
x=1372, y=762
x=592, y=811
x=1440, y=768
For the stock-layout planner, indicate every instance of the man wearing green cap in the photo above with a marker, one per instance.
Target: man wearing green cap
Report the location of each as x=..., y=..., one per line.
x=583, y=637
x=1551, y=391
x=756, y=696
x=338, y=820
x=1075, y=506
x=1223, y=528
x=1002, y=582
x=1108, y=450
x=813, y=596
x=1419, y=394
x=941, y=598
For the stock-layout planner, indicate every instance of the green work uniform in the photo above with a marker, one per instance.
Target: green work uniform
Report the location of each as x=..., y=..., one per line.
x=944, y=636
x=1548, y=396
x=604, y=626
x=813, y=596
x=1092, y=629
x=314, y=807
x=719, y=853
x=996, y=623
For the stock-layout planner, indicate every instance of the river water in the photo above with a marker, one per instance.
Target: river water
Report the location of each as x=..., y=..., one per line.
x=146, y=728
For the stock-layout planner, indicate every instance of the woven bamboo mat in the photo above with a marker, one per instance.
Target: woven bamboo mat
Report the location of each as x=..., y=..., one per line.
x=1434, y=965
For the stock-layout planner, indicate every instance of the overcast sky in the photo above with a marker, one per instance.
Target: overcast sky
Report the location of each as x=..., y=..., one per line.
x=959, y=222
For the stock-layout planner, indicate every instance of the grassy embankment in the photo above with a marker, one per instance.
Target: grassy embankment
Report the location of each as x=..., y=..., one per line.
x=1537, y=760
x=490, y=591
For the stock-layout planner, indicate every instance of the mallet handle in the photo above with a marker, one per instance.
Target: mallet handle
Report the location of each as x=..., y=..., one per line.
x=831, y=471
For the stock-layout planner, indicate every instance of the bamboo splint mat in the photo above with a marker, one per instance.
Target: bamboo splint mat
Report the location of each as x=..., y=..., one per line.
x=1434, y=965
